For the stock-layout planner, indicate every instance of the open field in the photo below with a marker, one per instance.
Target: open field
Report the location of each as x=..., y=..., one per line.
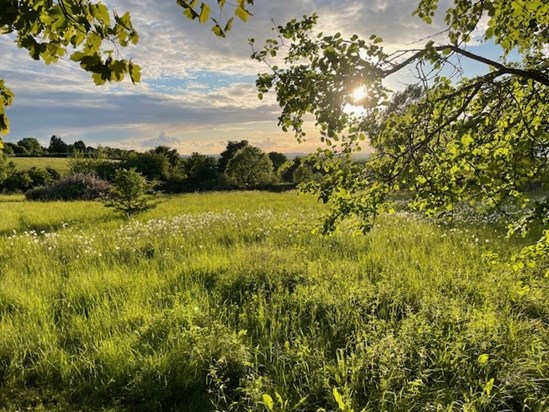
x=57, y=163
x=229, y=302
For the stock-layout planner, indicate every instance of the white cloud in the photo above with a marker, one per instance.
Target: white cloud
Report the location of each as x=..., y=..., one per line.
x=163, y=139
x=197, y=91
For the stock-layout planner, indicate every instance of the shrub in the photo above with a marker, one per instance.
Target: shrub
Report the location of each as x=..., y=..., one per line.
x=17, y=180
x=76, y=187
x=39, y=176
x=130, y=193
x=104, y=168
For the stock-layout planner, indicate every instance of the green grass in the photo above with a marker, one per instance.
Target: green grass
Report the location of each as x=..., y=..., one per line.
x=226, y=301
x=25, y=163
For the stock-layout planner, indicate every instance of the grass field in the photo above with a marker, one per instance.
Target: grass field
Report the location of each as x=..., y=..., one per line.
x=229, y=302
x=57, y=163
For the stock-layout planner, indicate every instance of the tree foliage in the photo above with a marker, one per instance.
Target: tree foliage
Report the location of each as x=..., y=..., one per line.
x=232, y=147
x=57, y=145
x=479, y=140
x=130, y=193
x=201, y=172
x=31, y=145
x=278, y=159
x=250, y=167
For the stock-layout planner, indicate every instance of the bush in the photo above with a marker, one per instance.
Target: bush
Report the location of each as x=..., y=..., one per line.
x=76, y=187
x=130, y=193
x=104, y=168
x=17, y=180
x=39, y=176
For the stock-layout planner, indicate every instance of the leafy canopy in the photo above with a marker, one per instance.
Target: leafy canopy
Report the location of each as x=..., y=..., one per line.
x=250, y=167
x=480, y=140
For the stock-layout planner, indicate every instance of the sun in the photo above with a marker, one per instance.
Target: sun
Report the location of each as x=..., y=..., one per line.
x=359, y=94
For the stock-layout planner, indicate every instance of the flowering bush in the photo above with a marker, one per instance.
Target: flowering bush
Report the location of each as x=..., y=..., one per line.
x=76, y=187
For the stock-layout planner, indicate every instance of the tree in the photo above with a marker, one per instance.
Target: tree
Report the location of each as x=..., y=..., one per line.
x=278, y=159
x=233, y=146
x=201, y=172
x=5, y=168
x=15, y=149
x=57, y=145
x=171, y=154
x=78, y=147
x=8, y=149
x=130, y=193
x=31, y=145
x=477, y=139
x=151, y=165
x=250, y=167
x=88, y=32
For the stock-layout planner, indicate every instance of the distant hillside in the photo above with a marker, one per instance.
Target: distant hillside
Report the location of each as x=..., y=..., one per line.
x=61, y=164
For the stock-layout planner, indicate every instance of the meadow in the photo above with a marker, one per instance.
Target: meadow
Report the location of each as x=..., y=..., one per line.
x=233, y=302
x=58, y=163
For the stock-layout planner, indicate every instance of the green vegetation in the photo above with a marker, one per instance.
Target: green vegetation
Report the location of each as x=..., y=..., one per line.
x=233, y=302
x=131, y=193
x=453, y=136
x=57, y=163
x=228, y=302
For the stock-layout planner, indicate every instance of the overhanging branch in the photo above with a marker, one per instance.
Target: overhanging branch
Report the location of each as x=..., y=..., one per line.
x=534, y=75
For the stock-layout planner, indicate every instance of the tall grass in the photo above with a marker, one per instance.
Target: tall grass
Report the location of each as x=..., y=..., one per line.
x=228, y=302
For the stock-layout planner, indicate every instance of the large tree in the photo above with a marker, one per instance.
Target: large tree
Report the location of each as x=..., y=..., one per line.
x=52, y=29
x=32, y=146
x=250, y=167
x=57, y=145
x=233, y=146
x=480, y=140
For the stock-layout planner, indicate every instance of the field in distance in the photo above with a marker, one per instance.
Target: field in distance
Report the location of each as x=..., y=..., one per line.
x=61, y=164
x=232, y=302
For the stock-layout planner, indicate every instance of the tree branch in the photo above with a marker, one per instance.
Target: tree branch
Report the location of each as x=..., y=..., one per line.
x=534, y=75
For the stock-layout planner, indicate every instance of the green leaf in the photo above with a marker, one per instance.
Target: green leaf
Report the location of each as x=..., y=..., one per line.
x=242, y=13
x=204, y=13
x=135, y=72
x=98, y=79
x=466, y=140
x=102, y=13
x=77, y=56
x=218, y=31
x=339, y=399
x=482, y=360
x=268, y=401
x=118, y=68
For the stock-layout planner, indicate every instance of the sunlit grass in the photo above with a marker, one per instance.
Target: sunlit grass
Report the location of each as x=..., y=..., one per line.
x=221, y=301
x=57, y=163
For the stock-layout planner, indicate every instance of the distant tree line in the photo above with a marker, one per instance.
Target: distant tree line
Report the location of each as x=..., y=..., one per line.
x=239, y=166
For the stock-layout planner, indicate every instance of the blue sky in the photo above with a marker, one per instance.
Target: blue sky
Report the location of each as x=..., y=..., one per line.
x=197, y=91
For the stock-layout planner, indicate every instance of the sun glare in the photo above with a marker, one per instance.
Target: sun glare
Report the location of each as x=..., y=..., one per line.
x=359, y=93
x=357, y=96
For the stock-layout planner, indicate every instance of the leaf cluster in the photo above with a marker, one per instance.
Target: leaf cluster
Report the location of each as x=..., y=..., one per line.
x=482, y=141
x=49, y=30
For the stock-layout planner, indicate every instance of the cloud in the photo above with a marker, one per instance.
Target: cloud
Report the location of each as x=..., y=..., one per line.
x=163, y=139
x=194, y=85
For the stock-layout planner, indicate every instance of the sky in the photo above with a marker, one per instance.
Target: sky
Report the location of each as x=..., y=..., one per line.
x=197, y=90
